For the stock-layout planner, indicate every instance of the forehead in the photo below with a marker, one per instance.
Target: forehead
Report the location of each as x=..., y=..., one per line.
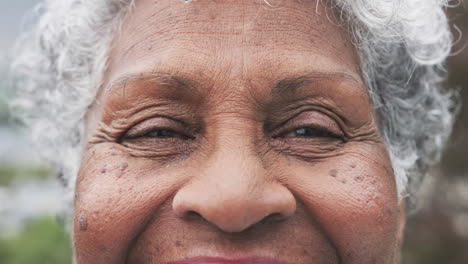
x=231, y=39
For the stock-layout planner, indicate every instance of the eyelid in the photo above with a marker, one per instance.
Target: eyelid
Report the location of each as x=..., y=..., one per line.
x=313, y=119
x=152, y=124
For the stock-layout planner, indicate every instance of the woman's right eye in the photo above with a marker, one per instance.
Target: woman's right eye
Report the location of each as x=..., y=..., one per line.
x=159, y=137
x=158, y=128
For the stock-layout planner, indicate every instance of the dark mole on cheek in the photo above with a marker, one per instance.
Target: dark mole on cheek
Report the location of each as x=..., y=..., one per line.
x=358, y=178
x=112, y=153
x=82, y=222
x=353, y=165
x=123, y=166
x=333, y=173
x=178, y=243
x=102, y=248
x=103, y=169
x=389, y=212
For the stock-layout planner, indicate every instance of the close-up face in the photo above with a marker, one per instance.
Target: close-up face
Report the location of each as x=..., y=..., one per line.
x=234, y=132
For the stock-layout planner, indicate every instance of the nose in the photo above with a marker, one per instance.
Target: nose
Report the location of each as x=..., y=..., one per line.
x=234, y=192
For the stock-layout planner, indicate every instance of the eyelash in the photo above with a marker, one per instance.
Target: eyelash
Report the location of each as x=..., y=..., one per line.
x=318, y=132
x=164, y=131
x=161, y=133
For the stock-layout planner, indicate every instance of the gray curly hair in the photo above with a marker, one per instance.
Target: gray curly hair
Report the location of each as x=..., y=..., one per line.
x=403, y=45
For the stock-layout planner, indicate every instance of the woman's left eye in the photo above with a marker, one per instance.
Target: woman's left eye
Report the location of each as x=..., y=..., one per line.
x=309, y=125
x=310, y=132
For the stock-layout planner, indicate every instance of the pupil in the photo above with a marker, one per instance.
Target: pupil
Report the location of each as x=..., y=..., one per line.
x=310, y=132
x=301, y=131
x=164, y=133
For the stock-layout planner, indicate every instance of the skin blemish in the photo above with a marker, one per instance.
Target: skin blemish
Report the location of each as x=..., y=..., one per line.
x=333, y=173
x=389, y=212
x=112, y=153
x=123, y=166
x=82, y=222
x=102, y=248
x=103, y=169
x=353, y=165
x=359, y=178
x=178, y=243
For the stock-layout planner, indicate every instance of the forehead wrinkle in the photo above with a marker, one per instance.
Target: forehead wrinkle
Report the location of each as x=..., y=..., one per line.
x=290, y=85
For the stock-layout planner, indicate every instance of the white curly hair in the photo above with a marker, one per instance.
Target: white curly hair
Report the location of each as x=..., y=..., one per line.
x=403, y=45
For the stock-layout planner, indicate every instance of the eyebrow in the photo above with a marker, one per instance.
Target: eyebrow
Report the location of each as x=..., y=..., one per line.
x=290, y=85
x=161, y=78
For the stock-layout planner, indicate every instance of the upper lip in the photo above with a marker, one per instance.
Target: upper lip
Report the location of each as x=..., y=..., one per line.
x=222, y=260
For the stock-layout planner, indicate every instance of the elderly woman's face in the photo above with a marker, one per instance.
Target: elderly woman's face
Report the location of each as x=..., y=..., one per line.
x=234, y=132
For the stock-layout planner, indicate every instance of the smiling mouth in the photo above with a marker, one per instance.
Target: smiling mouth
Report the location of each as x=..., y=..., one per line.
x=221, y=260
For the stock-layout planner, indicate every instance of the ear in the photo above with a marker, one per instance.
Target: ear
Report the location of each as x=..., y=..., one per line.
x=402, y=222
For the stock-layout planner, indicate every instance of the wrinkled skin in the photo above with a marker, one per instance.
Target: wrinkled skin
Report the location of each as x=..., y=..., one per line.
x=234, y=129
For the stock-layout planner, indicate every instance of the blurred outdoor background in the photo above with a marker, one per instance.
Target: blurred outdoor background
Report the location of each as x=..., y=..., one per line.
x=31, y=225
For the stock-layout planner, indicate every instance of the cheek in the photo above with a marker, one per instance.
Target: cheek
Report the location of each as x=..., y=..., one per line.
x=353, y=198
x=114, y=201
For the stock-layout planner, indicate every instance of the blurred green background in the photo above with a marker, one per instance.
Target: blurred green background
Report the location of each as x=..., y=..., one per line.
x=31, y=199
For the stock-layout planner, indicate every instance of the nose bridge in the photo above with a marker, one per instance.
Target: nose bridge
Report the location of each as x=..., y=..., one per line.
x=233, y=191
x=236, y=171
x=233, y=157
